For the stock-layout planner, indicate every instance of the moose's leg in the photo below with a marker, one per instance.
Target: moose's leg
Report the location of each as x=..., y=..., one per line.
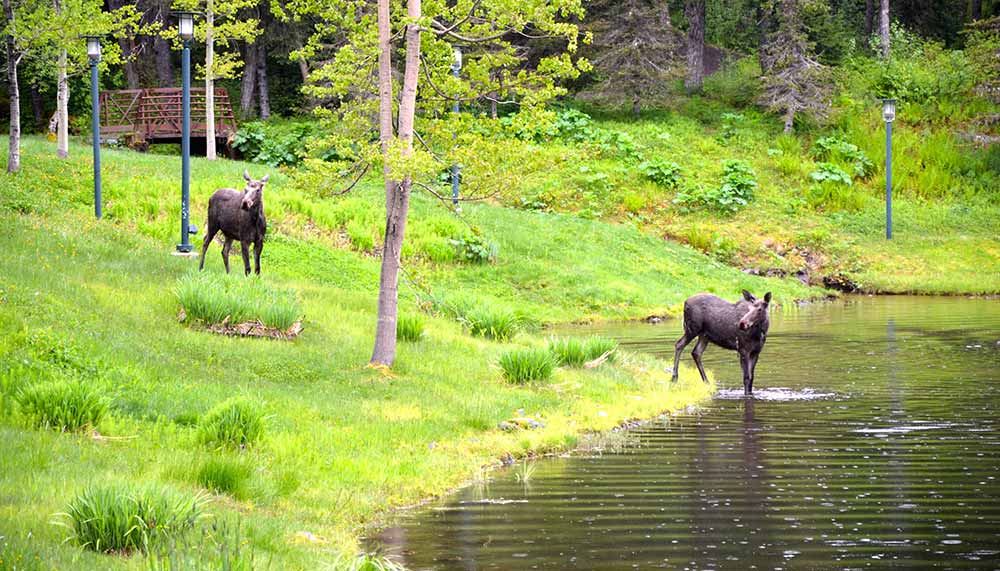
x=681, y=344
x=225, y=253
x=752, y=367
x=747, y=382
x=245, y=250
x=258, y=247
x=698, y=350
x=209, y=236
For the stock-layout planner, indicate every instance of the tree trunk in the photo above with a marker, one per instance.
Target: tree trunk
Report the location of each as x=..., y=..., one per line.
x=37, y=106
x=636, y=106
x=883, y=27
x=164, y=67
x=385, y=133
x=977, y=9
x=14, y=142
x=695, y=12
x=765, y=20
x=62, y=109
x=209, y=81
x=869, y=20
x=249, y=84
x=263, y=92
x=131, y=67
x=384, y=352
x=789, y=120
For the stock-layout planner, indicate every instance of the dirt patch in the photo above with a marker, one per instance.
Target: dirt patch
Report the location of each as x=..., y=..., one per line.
x=249, y=329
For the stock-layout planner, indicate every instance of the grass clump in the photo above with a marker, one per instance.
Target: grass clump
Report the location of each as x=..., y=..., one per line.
x=237, y=422
x=212, y=298
x=409, y=328
x=121, y=519
x=497, y=323
x=63, y=405
x=575, y=351
x=522, y=366
x=366, y=562
x=225, y=476
x=217, y=546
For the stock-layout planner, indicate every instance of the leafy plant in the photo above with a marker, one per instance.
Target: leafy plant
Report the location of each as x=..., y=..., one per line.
x=118, y=518
x=736, y=190
x=732, y=126
x=224, y=476
x=574, y=125
x=409, y=328
x=62, y=405
x=475, y=248
x=237, y=422
x=664, y=173
x=522, y=366
x=834, y=148
x=829, y=172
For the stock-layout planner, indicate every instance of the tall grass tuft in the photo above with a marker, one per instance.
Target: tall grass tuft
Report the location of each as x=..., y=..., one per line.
x=211, y=298
x=225, y=476
x=121, y=519
x=522, y=366
x=218, y=546
x=409, y=328
x=237, y=422
x=499, y=324
x=366, y=562
x=63, y=405
x=575, y=351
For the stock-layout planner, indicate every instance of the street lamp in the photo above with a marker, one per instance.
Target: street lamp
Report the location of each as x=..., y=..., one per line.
x=94, y=54
x=185, y=30
x=456, y=67
x=888, y=115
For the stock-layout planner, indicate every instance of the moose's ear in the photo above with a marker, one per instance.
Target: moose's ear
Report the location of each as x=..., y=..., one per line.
x=246, y=175
x=267, y=176
x=767, y=297
x=748, y=296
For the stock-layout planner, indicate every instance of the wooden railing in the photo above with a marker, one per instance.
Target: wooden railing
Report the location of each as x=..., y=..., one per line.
x=147, y=115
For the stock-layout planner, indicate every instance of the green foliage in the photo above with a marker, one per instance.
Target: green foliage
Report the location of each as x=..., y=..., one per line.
x=365, y=562
x=19, y=555
x=573, y=125
x=211, y=298
x=522, y=366
x=829, y=172
x=736, y=190
x=409, y=327
x=225, y=476
x=237, y=422
x=276, y=144
x=475, y=248
x=497, y=323
x=575, y=351
x=664, y=173
x=732, y=127
x=834, y=148
x=118, y=518
x=67, y=405
x=833, y=194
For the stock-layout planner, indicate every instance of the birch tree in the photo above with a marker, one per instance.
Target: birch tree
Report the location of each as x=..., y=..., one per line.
x=883, y=28
x=358, y=47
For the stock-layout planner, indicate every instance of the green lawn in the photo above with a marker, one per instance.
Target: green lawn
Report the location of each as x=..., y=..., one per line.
x=344, y=443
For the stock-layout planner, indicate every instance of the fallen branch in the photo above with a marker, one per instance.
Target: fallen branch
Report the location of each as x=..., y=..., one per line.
x=596, y=362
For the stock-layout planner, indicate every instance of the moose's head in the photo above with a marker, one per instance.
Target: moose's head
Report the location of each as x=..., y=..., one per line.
x=253, y=191
x=757, y=312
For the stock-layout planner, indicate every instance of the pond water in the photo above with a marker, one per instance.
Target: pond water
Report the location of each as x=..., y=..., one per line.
x=872, y=442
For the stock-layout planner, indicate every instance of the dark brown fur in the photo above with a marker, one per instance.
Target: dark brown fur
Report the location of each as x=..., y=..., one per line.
x=239, y=216
x=740, y=327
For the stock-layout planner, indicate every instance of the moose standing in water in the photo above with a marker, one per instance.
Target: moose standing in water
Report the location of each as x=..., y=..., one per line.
x=740, y=327
x=240, y=216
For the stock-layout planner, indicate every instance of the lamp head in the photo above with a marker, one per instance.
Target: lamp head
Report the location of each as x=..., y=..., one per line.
x=94, y=47
x=185, y=25
x=888, y=110
x=456, y=64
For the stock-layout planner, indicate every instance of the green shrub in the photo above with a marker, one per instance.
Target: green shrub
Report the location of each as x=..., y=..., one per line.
x=409, y=328
x=366, y=562
x=663, y=173
x=525, y=365
x=736, y=190
x=62, y=405
x=495, y=323
x=237, y=422
x=829, y=172
x=224, y=476
x=833, y=148
x=212, y=297
x=121, y=519
x=475, y=248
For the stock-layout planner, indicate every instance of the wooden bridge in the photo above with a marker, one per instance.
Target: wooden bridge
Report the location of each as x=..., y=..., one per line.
x=144, y=116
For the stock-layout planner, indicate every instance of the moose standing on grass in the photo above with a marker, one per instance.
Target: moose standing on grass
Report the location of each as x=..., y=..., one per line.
x=740, y=327
x=240, y=216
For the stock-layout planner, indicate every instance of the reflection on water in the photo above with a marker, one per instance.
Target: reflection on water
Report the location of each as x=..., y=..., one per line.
x=872, y=442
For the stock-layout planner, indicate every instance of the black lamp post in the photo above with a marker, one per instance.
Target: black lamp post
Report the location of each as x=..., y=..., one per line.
x=185, y=30
x=456, y=67
x=94, y=54
x=888, y=115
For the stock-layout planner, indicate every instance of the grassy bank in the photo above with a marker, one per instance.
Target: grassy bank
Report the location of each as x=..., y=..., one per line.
x=93, y=303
